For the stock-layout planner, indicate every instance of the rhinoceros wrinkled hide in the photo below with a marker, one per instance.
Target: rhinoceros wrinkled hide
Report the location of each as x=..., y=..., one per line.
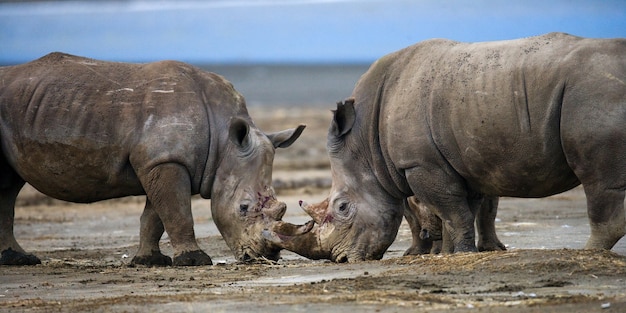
x=84, y=130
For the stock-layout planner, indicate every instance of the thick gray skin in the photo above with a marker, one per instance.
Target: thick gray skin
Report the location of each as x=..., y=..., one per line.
x=83, y=130
x=446, y=121
x=430, y=237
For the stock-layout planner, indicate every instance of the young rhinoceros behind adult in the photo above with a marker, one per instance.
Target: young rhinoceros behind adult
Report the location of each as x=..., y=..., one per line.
x=429, y=235
x=83, y=130
x=446, y=121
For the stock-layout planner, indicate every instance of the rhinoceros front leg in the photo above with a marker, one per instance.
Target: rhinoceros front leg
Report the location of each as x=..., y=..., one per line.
x=149, y=236
x=168, y=188
x=446, y=195
x=11, y=252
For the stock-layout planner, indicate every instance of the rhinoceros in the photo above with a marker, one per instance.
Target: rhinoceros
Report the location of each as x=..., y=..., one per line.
x=429, y=236
x=448, y=122
x=84, y=130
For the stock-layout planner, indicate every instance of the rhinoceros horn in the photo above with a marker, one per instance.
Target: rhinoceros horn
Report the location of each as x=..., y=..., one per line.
x=306, y=243
x=276, y=210
x=302, y=239
x=316, y=211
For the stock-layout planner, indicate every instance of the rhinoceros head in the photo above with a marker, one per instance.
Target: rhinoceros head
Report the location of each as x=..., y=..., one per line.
x=243, y=203
x=360, y=219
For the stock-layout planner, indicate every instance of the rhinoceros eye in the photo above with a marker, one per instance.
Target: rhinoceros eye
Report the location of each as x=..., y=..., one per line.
x=243, y=208
x=343, y=207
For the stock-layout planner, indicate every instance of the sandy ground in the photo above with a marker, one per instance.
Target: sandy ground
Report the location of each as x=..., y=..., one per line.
x=86, y=250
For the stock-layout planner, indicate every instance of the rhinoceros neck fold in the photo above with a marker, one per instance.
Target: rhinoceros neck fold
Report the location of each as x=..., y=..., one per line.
x=386, y=174
x=212, y=161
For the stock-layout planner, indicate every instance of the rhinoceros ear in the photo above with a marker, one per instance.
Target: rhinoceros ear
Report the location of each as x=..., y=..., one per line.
x=343, y=118
x=238, y=131
x=285, y=138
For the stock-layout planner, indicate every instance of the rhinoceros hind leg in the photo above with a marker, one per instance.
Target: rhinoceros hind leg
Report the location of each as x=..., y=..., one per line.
x=485, y=226
x=155, y=259
x=10, y=186
x=594, y=143
x=12, y=257
x=192, y=258
x=607, y=218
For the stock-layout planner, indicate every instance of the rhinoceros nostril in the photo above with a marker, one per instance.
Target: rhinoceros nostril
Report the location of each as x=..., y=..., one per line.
x=243, y=208
x=246, y=257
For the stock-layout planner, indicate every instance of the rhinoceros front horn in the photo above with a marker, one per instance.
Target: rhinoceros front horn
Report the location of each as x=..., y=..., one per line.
x=316, y=211
x=300, y=239
x=285, y=229
x=276, y=211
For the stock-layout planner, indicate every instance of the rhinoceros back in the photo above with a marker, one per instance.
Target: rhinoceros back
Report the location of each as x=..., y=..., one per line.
x=494, y=109
x=79, y=129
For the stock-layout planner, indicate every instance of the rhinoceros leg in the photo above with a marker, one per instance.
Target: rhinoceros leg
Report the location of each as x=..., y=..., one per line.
x=447, y=242
x=486, y=227
x=11, y=252
x=486, y=208
x=448, y=198
x=594, y=143
x=421, y=219
x=420, y=245
x=168, y=188
x=150, y=234
x=607, y=217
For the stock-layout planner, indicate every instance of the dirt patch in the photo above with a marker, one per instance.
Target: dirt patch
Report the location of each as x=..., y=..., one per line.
x=524, y=280
x=86, y=251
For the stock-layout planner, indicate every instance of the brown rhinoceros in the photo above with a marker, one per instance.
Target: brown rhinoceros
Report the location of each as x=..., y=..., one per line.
x=83, y=130
x=446, y=121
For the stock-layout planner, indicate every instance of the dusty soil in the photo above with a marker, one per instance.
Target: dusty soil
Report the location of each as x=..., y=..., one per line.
x=86, y=250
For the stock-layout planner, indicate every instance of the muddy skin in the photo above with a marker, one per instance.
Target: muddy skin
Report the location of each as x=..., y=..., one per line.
x=84, y=130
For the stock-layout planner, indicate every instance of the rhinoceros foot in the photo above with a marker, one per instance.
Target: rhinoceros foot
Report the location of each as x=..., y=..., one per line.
x=491, y=245
x=426, y=247
x=155, y=259
x=12, y=257
x=192, y=258
x=423, y=248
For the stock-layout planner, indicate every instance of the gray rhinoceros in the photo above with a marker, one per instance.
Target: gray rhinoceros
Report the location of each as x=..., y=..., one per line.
x=83, y=130
x=449, y=121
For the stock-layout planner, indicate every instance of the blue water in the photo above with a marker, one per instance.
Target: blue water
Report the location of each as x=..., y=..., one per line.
x=292, y=85
x=283, y=31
